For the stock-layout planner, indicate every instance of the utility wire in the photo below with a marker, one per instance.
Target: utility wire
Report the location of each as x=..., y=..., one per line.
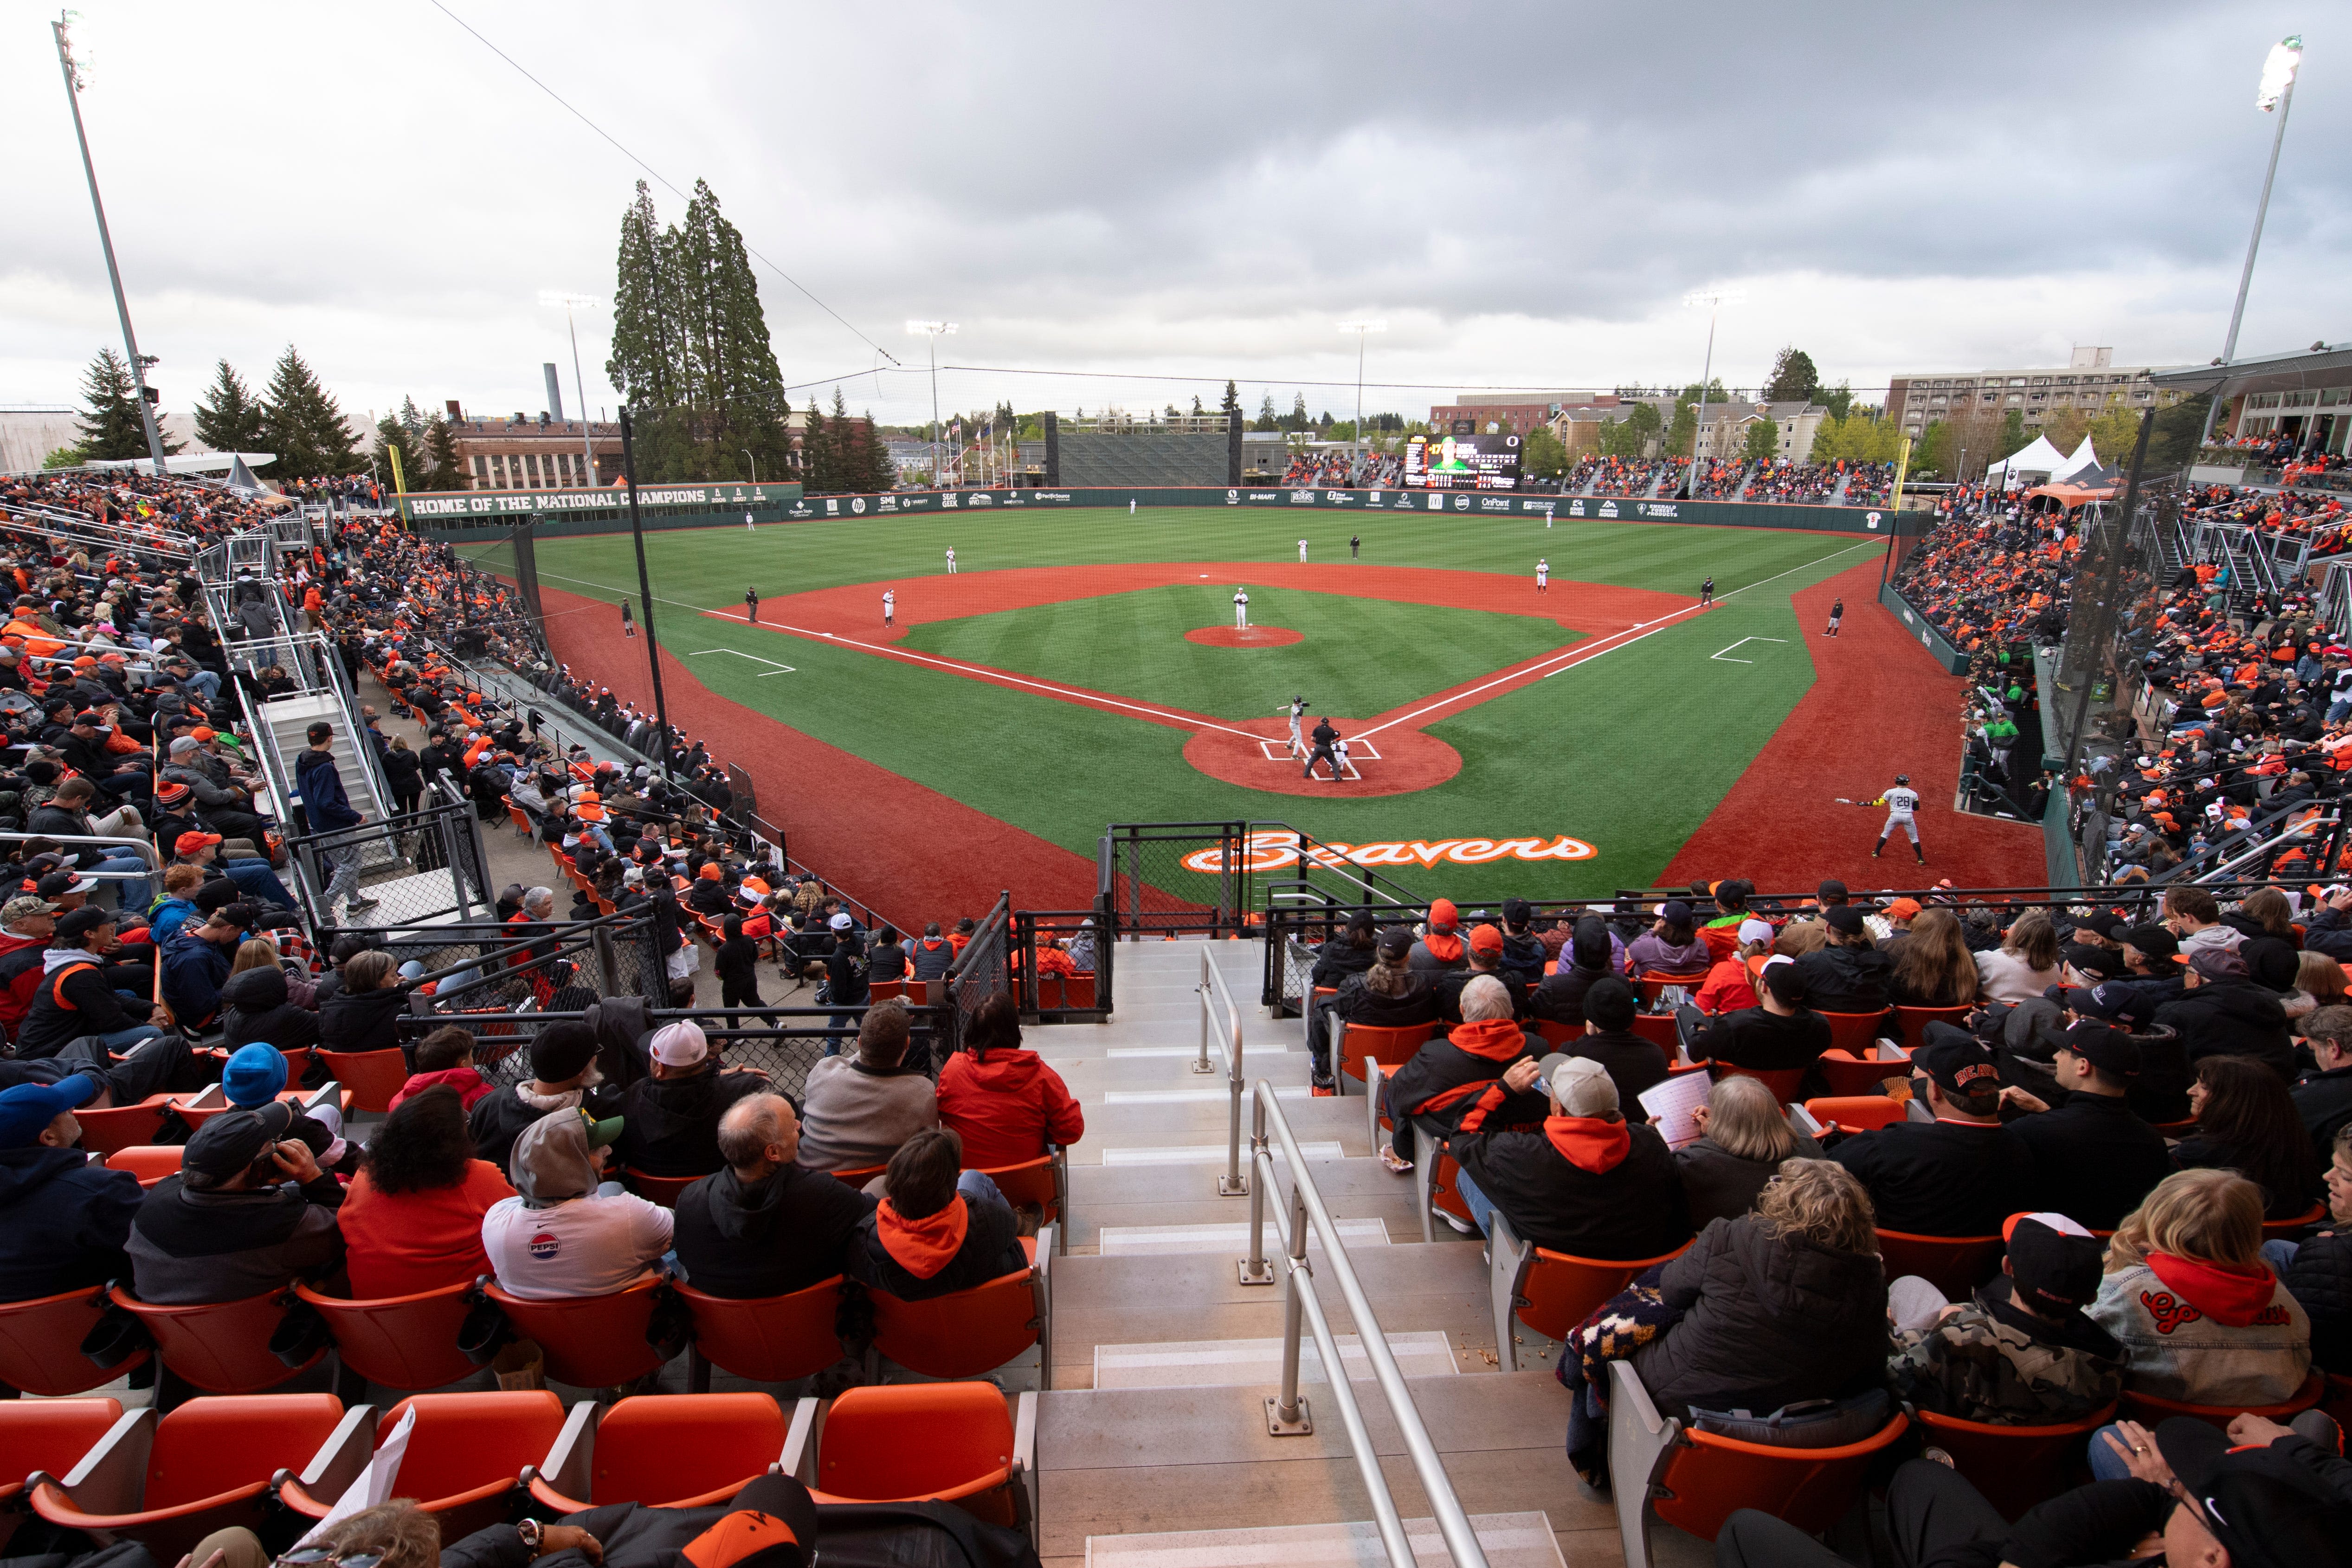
x=1664, y=388
x=657, y=174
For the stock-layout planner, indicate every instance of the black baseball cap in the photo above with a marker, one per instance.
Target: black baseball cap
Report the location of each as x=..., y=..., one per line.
x=234, y=1140
x=2156, y=942
x=2053, y=1262
x=1831, y=889
x=1957, y=1062
x=1787, y=983
x=1395, y=942
x=2111, y=1050
x=81, y=922
x=1844, y=919
x=1517, y=913
x=2090, y=1001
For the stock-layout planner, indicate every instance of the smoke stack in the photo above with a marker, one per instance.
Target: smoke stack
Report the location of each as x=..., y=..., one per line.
x=554, y=392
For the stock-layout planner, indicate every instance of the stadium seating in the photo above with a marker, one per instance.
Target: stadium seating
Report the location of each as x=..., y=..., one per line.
x=1548, y=1292
x=48, y=1434
x=40, y=1344
x=1857, y=1113
x=465, y=1454
x=773, y=1339
x=662, y=1190
x=2014, y=1466
x=673, y=1451
x=397, y=1341
x=371, y=1076
x=1042, y=1183
x=2148, y=1409
x=222, y=1347
x=590, y=1342
x=944, y=1442
x=1954, y=1264
x=1855, y=1073
x=121, y=1126
x=970, y=1333
x=1391, y=1048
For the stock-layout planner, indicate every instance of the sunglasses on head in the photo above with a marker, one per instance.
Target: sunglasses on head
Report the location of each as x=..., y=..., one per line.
x=327, y=1557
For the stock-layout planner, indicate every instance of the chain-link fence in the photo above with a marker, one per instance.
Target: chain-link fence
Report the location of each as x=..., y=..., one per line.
x=1062, y=965
x=1171, y=877
x=418, y=867
x=983, y=969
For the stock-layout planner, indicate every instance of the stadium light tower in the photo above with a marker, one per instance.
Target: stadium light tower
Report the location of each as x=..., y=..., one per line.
x=1715, y=300
x=568, y=303
x=1361, y=329
x=2274, y=92
x=934, y=331
x=139, y=363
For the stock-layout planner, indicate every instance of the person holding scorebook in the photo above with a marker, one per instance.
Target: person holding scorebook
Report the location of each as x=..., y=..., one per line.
x=1728, y=1145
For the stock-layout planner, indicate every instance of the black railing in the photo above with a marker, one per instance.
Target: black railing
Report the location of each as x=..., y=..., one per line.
x=1209, y=877
x=983, y=969
x=1081, y=996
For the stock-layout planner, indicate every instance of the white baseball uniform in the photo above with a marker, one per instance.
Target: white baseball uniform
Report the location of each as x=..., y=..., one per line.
x=1240, y=610
x=889, y=605
x=1296, y=745
x=952, y=572
x=1543, y=574
x=1901, y=802
x=1302, y=552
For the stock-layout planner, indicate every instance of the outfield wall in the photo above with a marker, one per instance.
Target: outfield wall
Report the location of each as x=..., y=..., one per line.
x=462, y=515
x=1916, y=622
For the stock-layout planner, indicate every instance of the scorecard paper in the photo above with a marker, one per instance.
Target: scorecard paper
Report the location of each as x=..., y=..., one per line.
x=1672, y=1103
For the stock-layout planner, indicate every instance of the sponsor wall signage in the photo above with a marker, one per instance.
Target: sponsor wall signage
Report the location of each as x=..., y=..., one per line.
x=1272, y=851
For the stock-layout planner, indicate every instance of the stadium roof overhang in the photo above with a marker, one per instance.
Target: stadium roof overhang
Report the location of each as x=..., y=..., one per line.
x=2301, y=371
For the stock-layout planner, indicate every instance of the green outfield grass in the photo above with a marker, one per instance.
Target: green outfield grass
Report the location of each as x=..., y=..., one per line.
x=1628, y=751
x=1358, y=657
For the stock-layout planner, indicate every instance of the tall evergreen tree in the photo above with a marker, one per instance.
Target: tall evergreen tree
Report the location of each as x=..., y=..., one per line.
x=228, y=416
x=819, y=472
x=303, y=426
x=392, y=436
x=1793, y=376
x=444, y=470
x=111, y=426
x=1232, y=403
x=646, y=367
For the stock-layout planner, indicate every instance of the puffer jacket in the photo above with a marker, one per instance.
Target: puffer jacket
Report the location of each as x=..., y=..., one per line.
x=257, y=1010
x=1006, y=1106
x=1459, y=1081
x=363, y=1021
x=1766, y=1321
x=2320, y=1279
x=2228, y=1017
x=2204, y=1334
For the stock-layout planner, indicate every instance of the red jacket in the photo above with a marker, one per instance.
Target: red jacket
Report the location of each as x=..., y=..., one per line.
x=1006, y=1106
x=465, y=1080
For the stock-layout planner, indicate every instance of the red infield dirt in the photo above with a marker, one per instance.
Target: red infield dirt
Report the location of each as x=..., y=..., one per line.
x=1880, y=705
x=1244, y=636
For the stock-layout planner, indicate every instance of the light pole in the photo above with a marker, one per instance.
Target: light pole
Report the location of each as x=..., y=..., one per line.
x=1361, y=328
x=139, y=363
x=571, y=302
x=755, y=465
x=934, y=331
x=1715, y=300
x=2275, y=92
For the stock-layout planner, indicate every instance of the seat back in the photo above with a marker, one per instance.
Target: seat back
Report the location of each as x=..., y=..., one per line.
x=1559, y=1034
x=773, y=1338
x=207, y=1447
x=49, y=1434
x=1659, y=1029
x=1030, y=1181
x=662, y=1190
x=2147, y=1409
x=1856, y=1073
x=1861, y=1112
x=1911, y=1023
x=1066, y=990
x=1854, y=1032
x=121, y=1126
x=962, y=1334
x=1706, y=1479
x=1390, y=1048
x=1956, y=1264
x=1562, y=1289
x=399, y=1341
x=2282, y=1229
x=1783, y=1082
x=590, y=1342
x=859, y=1175
x=2014, y=1466
x=2336, y=1400
x=904, y=1440
x=677, y=1445
x=222, y=1347
x=1648, y=985
x=150, y=1162
x=41, y=1346
x=372, y=1077
x=464, y=1442
x=883, y=990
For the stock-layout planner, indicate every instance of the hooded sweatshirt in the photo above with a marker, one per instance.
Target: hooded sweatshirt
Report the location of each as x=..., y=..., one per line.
x=258, y=1009
x=468, y=1083
x=1006, y=1106
x=1457, y=1081
x=2207, y=1333
x=72, y=1000
x=1582, y=1186
x=964, y=1245
x=784, y=1232
x=63, y=1222
x=188, y=1247
x=559, y=1237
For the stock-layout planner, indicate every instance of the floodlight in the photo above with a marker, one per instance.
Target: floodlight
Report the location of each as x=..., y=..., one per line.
x=2278, y=71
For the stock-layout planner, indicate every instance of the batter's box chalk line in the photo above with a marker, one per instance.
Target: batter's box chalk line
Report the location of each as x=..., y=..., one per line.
x=1279, y=752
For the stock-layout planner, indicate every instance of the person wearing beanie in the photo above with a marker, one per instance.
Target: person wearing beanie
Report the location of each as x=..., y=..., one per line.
x=1588, y=957
x=1441, y=946
x=1454, y=1083
x=1671, y=945
x=2093, y=1159
x=941, y=1229
x=1847, y=973
x=1588, y=1182
x=670, y=1119
x=1524, y=957
x=249, y=1211
x=564, y=1076
x=1633, y=1062
x=63, y=1221
x=255, y=1076
x=1391, y=994
x=1779, y=1032
x=1483, y=947
x=2020, y=1352
x=1961, y=1174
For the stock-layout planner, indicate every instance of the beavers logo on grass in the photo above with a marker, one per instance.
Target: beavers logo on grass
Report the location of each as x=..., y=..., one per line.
x=1273, y=851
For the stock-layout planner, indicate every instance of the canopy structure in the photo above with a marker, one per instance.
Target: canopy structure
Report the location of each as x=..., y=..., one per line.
x=2072, y=496
x=195, y=463
x=2040, y=460
x=2082, y=457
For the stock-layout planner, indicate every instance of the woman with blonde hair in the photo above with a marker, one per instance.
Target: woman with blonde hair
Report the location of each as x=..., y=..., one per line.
x=2199, y=1316
x=2026, y=963
x=1743, y=1139
x=1933, y=965
x=2319, y=982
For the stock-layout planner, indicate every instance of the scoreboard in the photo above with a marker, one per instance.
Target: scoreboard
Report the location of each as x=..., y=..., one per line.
x=1471, y=462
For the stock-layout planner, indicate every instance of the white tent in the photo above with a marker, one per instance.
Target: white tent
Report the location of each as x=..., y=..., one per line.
x=2037, y=462
x=2083, y=457
x=192, y=462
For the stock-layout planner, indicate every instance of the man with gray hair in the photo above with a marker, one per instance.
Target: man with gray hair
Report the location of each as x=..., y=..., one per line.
x=764, y=1225
x=1459, y=1083
x=1588, y=1182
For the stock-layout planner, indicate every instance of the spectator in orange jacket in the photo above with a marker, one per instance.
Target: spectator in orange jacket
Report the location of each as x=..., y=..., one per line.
x=1004, y=1103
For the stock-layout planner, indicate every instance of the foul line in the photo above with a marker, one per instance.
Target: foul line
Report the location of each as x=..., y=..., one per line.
x=755, y=658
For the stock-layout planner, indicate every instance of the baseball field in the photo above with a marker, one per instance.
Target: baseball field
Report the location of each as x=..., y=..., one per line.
x=1082, y=667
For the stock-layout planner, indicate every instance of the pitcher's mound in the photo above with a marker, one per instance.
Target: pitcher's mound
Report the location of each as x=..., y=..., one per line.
x=1244, y=636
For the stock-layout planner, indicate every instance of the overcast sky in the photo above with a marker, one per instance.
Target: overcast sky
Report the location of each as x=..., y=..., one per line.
x=1523, y=193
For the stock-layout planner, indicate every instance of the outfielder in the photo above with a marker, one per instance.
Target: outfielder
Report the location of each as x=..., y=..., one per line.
x=889, y=605
x=747, y=522
x=1543, y=575
x=1241, y=609
x=752, y=602
x=1837, y=613
x=1706, y=593
x=952, y=570
x=1901, y=802
x=1302, y=552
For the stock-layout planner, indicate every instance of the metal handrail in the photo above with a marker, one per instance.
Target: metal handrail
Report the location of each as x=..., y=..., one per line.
x=145, y=846
x=1286, y=1413
x=1232, y=1184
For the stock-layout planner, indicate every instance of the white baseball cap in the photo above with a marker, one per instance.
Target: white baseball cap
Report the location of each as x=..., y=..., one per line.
x=680, y=1044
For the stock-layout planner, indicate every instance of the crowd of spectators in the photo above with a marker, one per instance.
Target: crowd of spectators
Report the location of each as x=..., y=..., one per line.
x=1796, y=484
x=1344, y=470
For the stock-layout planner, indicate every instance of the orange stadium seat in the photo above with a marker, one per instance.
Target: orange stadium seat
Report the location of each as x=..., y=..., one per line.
x=670, y=1450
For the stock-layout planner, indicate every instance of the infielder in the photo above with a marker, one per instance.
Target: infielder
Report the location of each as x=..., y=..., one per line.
x=889, y=605
x=1241, y=609
x=1297, y=746
x=1543, y=575
x=1901, y=802
x=628, y=620
x=952, y=570
x=1706, y=592
x=1837, y=613
x=1302, y=552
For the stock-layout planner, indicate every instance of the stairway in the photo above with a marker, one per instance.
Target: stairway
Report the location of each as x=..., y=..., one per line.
x=288, y=720
x=1153, y=1443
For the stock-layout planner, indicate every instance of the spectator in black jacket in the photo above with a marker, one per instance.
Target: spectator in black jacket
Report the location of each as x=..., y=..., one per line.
x=1633, y=1063
x=1483, y=948
x=670, y=1120
x=932, y=953
x=1962, y=1174
x=1743, y=1138
x=363, y=1013
x=1561, y=998
x=2152, y=972
x=257, y=1009
x=1781, y=1033
x=1350, y=952
x=197, y=961
x=74, y=998
x=563, y=1076
x=1388, y=996
x=2246, y=1123
x=63, y=1220
x=1847, y=973
x=942, y=1228
x=1455, y=1083
x=2224, y=1013
x=763, y=1226
x=2317, y=1269
x=2094, y=1160
x=2323, y=1098
x=248, y=1212
x=1588, y=1183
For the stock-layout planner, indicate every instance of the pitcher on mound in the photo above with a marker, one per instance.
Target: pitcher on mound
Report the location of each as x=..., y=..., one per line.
x=1241, y=609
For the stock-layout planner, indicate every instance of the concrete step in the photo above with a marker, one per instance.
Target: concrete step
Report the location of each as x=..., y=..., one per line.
x=1505, y=1540
x=1247, y=1364
x=1222, y=1239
